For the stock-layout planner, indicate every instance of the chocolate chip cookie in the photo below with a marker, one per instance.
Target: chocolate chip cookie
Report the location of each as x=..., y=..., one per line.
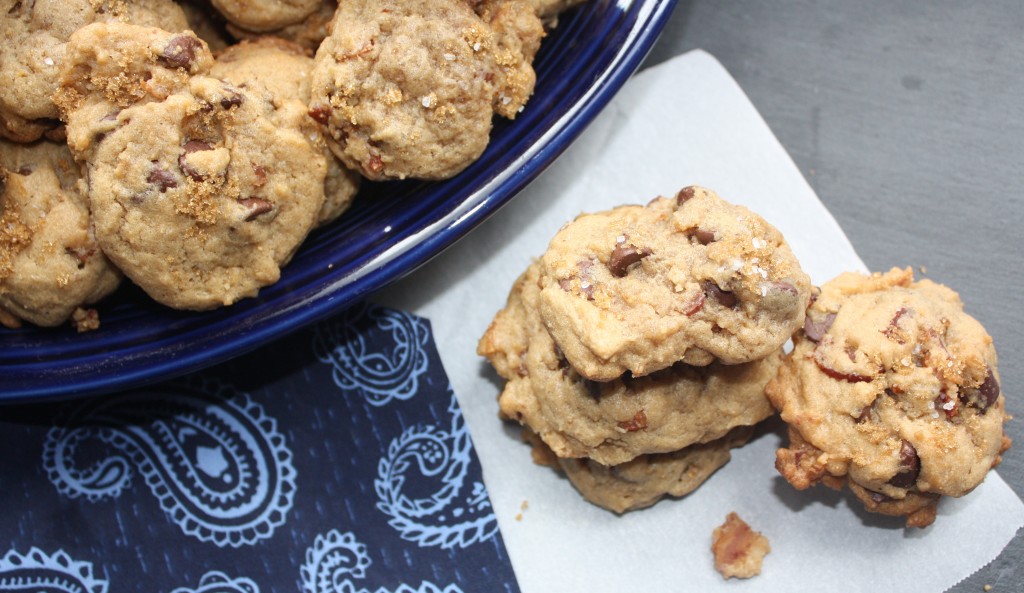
x=690, y=278
x=50, y=262
x=310, y=32
x=281, y=69
x=892, y=388
x=266, y=15
x=644, y=480
x=616, y=421
x=200, y=189
x=409, y=88
x=35, y=34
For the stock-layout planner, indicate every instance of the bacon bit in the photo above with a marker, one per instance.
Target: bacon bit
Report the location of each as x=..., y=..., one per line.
x=738, y=550
x=638, y=422
x=695, y=305
x=374, y=166
x=261, y=175
x=850, y=377
x=947, y=405
x=891, y=331
x=320, y=113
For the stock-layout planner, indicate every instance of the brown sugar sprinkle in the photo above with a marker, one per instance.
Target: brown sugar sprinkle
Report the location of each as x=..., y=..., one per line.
x=14, y=237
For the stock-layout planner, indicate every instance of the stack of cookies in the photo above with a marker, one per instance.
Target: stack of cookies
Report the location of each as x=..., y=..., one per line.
x=637, y=349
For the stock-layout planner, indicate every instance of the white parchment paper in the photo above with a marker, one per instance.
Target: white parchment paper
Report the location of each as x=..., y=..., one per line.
x=683, y=122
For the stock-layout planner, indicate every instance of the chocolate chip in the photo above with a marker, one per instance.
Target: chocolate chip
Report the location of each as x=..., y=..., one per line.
x=320, y=113
x=232, y=99
x=15, y=9
x=989, y=389
x=685, y=195
x=190, y=147
x=180, y=51
x=910, y=467
x=565, y=284
x=623, y=256
x=815, y=329
x=162, y=178
x=724, y=297
x=983, y=396
x=256, y=206
x=704, y=237
x=24, y=170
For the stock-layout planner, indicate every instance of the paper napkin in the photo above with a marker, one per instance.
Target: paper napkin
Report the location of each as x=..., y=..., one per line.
x=680, y=123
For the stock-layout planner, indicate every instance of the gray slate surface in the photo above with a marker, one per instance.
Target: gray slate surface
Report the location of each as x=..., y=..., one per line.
x=908, y=121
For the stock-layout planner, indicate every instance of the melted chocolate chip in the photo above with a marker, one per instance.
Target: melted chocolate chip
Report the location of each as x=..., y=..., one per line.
x=180, y=51
x=232, y=99
x=256, y=207
x=685, y=195
x=910, y=467
x=162, y=178
x=715, y=292
x=623, y=256
x=815, y=329
x=704, y=237
x=24, y=170
x=989, y=390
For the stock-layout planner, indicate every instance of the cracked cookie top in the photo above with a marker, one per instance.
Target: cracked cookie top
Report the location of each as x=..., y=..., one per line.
x=691, y=278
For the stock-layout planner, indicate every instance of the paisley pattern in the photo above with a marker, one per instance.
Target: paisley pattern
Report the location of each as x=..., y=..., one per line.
x=218, y=582
x=433, y=463
x=381, y=374
x=213, y=458
x=39, y=572
x=193, y=486
x=336, y=558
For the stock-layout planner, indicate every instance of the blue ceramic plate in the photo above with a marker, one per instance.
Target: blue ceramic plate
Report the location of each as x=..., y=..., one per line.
x=393, y=228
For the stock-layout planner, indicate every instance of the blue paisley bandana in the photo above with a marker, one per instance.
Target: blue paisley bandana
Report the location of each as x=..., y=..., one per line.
x=335, y=460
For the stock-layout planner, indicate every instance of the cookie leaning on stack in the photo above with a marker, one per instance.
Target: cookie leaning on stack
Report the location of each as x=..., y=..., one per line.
x=891, y=389
x=600, y=340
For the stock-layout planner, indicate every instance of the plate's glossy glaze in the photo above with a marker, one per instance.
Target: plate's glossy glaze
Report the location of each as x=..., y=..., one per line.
x=393, y=228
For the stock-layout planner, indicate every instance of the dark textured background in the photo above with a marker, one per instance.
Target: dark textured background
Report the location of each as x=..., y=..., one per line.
x=907, y=119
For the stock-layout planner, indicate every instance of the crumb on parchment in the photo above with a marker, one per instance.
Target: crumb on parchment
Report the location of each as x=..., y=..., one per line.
x=739, y=550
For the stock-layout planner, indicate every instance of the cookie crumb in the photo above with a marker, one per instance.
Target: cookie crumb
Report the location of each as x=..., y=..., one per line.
x=519, y=516
x=987, y=587
x=923, y=269
x=85, y=319
x=739, y=550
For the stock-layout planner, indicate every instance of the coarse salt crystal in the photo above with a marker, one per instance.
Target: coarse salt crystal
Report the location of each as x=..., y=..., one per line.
x=949, y=405
x=476, y=46
x=758, y=242
x=48, y=61
x=620, y=239
x=449, y=57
